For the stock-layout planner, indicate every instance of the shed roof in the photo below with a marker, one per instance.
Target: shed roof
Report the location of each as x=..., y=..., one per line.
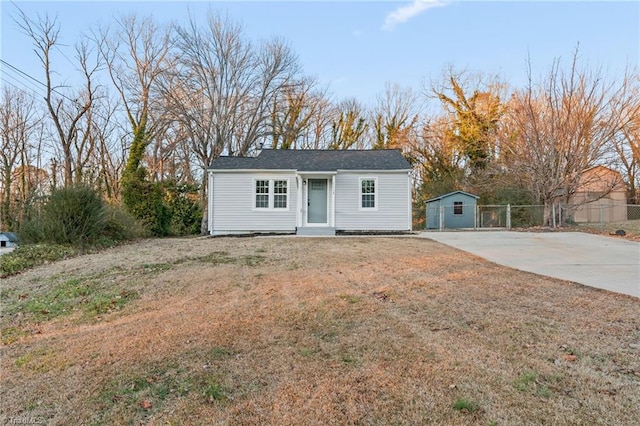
x=9, y=236
x=314, y=160
x=450, y=194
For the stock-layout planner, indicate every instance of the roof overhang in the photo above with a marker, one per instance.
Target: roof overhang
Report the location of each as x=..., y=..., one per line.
x=309, y=172
x=252, y=170
x=316, y=172
x=447, y=195
x=377, y=171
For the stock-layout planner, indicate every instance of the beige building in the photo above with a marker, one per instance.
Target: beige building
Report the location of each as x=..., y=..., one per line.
x=601, y=196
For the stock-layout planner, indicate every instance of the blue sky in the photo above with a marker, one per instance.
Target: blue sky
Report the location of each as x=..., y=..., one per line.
x=355, y=47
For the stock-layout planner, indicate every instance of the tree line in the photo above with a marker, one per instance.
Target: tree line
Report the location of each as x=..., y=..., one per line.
x=154, y=105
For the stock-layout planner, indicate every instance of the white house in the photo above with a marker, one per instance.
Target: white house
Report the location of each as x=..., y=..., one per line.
x=310, y=192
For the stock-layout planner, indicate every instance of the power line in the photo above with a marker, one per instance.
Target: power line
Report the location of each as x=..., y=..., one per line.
x=23, y=78
x=31, y=78
x=22, y=72
x=53, y=89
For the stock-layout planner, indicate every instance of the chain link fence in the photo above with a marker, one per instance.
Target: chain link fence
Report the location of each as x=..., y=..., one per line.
x=603, y=216
x=471, y=216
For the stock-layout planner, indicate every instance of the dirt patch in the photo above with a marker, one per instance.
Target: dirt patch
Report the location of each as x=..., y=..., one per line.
x=348, y=330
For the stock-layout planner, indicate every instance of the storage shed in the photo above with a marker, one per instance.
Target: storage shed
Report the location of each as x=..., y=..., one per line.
x=453, y=210
x=8, y=239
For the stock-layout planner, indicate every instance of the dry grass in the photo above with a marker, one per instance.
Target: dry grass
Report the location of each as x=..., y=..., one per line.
x=313, y=332
x=630, y=227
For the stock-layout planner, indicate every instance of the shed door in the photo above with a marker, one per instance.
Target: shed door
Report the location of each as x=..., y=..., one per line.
x=317, y=201
x=433, y=215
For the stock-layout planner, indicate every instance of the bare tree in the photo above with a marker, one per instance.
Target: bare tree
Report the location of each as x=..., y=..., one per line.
x=18, y=120
x=106, y=164
x=170, y=157
x=438, y=162
x=223, y=88
x=395, y=117
x=226, y=87
x=276, y=68
x=293, y=111
x=319, y=133
x=65, y=111
x=625, y=108
x=136, y=53
x=349, y=126
x=559, y=128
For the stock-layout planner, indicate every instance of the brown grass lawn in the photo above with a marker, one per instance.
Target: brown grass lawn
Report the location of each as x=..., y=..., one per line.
x=309, y=331
x=630, y=227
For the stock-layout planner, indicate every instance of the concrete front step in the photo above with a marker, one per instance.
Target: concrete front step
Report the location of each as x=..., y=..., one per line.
x=316, y=231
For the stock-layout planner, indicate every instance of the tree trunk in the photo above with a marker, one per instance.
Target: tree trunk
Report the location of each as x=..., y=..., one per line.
x=204, y=225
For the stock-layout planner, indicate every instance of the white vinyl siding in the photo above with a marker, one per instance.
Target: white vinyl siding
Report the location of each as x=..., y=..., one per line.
x=234, y=203
x=392, y=202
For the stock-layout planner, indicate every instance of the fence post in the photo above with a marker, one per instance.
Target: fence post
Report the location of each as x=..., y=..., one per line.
x=508, y=217
x=475, y=218
x=441, y=218
x=560, y=214
x=601, y=218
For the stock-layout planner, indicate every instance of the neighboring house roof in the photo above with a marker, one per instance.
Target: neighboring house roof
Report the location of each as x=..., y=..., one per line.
x=601, y=178
x=600, y=167
x=313, y=160
x=450, y=194
x=9, y=236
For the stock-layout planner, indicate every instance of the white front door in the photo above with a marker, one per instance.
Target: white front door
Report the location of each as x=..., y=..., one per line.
x=317, y=201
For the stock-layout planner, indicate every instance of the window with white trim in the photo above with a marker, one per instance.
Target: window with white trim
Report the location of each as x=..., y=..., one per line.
x=367, y=193
x=262, y=194
x=271, y=194
x=279, y=194
x=457, y=207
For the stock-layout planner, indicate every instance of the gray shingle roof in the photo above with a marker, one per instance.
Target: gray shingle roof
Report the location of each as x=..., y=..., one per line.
x=308, y=160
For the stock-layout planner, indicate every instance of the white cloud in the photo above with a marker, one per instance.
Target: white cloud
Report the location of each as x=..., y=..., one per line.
x=404, y=13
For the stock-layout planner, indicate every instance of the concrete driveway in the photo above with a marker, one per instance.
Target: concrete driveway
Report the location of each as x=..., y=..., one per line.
x=598, y=261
